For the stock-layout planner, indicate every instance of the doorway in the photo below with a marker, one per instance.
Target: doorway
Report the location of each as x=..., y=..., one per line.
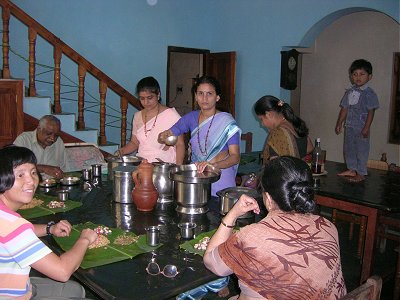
x=186, y=64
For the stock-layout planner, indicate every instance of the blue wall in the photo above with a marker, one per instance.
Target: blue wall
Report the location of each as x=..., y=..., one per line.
x=128, y=39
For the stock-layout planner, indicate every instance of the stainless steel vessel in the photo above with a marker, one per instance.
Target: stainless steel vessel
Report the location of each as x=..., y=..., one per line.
x=192, y=189
x=229, y=196
x=162, y=182
x=113, y=162
x=123, y=184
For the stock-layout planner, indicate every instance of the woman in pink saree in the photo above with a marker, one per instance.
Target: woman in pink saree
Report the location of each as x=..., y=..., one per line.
x=149, y=122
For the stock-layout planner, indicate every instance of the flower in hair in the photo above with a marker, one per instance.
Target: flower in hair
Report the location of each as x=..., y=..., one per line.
x=280, y=103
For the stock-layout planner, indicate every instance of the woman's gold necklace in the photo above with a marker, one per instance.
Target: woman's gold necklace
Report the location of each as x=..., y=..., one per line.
x=208, y=131
x=154, y=124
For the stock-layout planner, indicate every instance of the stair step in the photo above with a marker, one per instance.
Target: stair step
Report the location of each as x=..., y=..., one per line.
x=37, y=107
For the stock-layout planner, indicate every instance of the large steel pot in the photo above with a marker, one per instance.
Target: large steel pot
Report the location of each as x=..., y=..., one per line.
x=192, y=189
x=162, y=182
x=113, y=162
x=229, y=196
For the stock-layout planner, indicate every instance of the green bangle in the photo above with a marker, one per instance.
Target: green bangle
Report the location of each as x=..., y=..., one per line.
x=51, y=223
x=228, y=226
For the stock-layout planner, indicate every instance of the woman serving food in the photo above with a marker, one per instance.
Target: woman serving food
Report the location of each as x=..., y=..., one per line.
x=215, y=136
x=149, y=122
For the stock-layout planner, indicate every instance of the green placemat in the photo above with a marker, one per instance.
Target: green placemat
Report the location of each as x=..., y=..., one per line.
x=189, y=245
x=43, y=210
x=107, y=254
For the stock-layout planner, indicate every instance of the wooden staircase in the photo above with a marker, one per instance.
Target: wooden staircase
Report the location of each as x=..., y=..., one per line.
x=84, y=66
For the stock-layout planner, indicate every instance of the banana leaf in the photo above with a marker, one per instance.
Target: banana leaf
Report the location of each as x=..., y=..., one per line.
x=189, y=245
x=108, y=254
x=43, y=210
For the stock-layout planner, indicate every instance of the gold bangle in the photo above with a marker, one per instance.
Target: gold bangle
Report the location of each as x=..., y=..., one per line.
x=228, y=226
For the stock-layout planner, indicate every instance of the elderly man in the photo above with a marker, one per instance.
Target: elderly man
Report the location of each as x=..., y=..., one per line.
x=49, y=149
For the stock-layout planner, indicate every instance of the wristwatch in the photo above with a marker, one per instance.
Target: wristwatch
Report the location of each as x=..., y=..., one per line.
x=51, y=223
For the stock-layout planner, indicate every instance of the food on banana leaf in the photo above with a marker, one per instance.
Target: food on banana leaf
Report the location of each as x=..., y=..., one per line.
x=124, y=239
x=101, y=241
x=35, y=202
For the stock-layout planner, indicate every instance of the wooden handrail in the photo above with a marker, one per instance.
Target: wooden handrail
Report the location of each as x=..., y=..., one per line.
x=60, y=48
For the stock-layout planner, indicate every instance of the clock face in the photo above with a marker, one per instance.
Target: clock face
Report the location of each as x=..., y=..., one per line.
x=291, y=63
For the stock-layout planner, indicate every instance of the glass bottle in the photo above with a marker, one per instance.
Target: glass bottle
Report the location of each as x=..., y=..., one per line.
x=316, y=163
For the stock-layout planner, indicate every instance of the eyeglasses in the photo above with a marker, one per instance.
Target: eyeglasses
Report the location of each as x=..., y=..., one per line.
x=169, y=271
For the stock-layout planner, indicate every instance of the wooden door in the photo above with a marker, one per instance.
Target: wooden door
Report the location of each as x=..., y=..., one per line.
x=11, y=110
x=222, y=66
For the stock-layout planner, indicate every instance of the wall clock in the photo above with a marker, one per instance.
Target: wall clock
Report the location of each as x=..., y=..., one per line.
x=289, y=66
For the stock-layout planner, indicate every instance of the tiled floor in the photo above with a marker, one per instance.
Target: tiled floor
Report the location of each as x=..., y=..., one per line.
x=384, y=266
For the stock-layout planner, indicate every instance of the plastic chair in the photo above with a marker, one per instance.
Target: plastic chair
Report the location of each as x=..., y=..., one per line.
x=248, y=138
x=370, y=290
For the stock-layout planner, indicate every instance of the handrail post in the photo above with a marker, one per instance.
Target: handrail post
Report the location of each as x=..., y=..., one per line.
x=124, y=109
x=81, y=97
x=32, y=61
x=102, y=91
x=6, y=46
x=57, y=67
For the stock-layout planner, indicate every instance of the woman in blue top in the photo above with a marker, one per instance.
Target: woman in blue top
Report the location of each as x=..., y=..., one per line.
x=215, y=136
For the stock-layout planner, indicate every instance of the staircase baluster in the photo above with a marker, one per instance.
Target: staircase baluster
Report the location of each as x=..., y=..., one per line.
x=81, y=97
x=57, y=68
x=102, y=91
x=32, y=60
x=124, y=109
x=6, y=46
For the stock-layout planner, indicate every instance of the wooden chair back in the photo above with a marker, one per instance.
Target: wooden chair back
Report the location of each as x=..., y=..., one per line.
x=248, y=138
x=370, y=290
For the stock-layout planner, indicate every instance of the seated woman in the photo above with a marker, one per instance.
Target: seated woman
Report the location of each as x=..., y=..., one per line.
x=149, y=122
x=288, y=134
x=20, y=246
x=214, y=134
x=291, y=253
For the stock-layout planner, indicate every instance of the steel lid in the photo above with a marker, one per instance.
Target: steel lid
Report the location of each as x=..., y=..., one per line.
x=237, y=191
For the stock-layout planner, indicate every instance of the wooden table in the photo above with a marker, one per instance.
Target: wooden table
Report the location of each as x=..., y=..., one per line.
x=128, y=279
x=379, y=192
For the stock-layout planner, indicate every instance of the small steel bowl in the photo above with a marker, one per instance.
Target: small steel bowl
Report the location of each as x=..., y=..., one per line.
x=171, y=140
x=69, y=180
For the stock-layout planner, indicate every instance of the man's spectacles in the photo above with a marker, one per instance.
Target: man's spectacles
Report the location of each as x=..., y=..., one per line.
x=169, y=271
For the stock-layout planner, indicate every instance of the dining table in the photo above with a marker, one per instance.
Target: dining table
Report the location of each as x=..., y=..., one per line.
x=128, y=279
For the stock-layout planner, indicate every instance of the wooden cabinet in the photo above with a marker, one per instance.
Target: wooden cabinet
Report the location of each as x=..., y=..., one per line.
x=11, y=110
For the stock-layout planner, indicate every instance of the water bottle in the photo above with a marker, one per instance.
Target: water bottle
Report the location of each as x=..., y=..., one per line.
x=316, y=163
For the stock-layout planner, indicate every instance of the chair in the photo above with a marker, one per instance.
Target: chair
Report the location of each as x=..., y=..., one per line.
x=248, y=138
x=370, y=290
x=356, y=219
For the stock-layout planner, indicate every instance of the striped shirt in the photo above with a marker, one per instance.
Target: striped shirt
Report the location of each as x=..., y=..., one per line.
x=19, y=249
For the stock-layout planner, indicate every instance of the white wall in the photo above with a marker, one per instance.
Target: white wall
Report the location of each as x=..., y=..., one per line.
x=370, y=35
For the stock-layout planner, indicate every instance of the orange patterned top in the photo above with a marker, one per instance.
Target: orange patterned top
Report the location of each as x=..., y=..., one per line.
x=287, y=256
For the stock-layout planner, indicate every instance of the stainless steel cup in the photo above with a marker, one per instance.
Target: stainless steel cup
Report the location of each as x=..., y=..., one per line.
x=63, y=195
x=153, y=235
x=187, y=230
x=86, y=174
x=96, y=170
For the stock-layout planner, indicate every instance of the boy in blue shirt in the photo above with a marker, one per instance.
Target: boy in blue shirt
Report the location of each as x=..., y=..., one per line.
x=357, y=109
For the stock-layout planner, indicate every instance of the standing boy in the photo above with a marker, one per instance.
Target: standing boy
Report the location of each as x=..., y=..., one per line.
x=357, y=108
